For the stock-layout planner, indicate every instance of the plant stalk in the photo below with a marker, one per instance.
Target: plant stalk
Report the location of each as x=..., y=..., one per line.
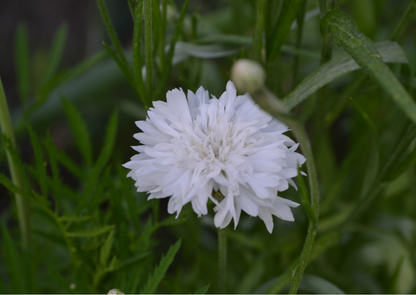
x=7, y=129
x=222, y=259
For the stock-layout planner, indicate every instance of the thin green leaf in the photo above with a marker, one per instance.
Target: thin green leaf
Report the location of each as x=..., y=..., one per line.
x=148, y=43
x=303, y=191
x=64, y=159
x=366, y=118
x=72, y=218
x=112, y=33
x=11, y=256
x=402, y=167
x=110, y=137
x=348, y=37
x=404, y=21
x=203, y=290
x=40, y=162
x=391, y=52
x=287, y=15
x=79, y=131
x=159, y=272
x=258, y=31
x=133, y=259
x=22, y=62
x=137, y=58
x=123, y=67
x=55, y=54
x=90, y=233
x=318, y=285
x=169, y=57
x=106, y=248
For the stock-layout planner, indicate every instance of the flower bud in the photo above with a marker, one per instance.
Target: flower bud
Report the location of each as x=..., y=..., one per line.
x=248, y=75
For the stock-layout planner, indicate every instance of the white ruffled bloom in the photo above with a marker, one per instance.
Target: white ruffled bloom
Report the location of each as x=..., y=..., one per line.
x=196, y=146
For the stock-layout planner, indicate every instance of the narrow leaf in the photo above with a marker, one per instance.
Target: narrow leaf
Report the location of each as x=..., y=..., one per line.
x=391, y=52
x=90, y=233
x=11, y=256
x=79, y=131
x=203, y=290
x=72, y=218
x=22, y=62
x=287, y=15
x=106, y=248
x=348, y=37
x=160, y=270
x=40, y=163
x=318, y=285
x=55, y=54
x=64, y=159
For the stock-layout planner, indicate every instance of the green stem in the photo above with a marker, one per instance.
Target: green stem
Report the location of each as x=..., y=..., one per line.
x=258, y=31
x=7, y=129
x=272, y=105
x=222, y=259
x=148, y=38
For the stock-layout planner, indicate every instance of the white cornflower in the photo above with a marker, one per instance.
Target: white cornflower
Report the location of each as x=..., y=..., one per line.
x=193, y=148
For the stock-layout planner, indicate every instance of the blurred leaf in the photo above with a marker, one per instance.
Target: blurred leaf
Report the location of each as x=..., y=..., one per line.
x=159, y=272
x=403, y=166
x=287, y=15
x=137, y=58
x=404, y=21
x=304, y=197
x=40, y=162
x=12, y=259
x=251, y=278
x=170, y=55
x=318, y=285
x=22, y=62
x=203, y=290
x=349, y=38
x=106, y=248
x=64, y=159
x=79, y=131
x=391, y=52
x=69, y=218
x=55, y=54
x=112, y=34
x=90, y=233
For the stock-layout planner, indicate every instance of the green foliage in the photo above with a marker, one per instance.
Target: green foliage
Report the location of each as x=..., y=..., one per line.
x=345, y=73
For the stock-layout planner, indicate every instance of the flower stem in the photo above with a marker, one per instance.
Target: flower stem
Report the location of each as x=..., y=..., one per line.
x=7, y=129
x=222, y=259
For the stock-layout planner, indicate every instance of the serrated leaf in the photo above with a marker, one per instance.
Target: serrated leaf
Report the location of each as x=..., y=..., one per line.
x=348, y=37
x=90, y=233
x=390, y=52
x=22, y=62
x=203, y=290
x=79, y=131
x=159, y=272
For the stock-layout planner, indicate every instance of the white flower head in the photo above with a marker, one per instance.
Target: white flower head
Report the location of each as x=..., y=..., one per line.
x=194, y=146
